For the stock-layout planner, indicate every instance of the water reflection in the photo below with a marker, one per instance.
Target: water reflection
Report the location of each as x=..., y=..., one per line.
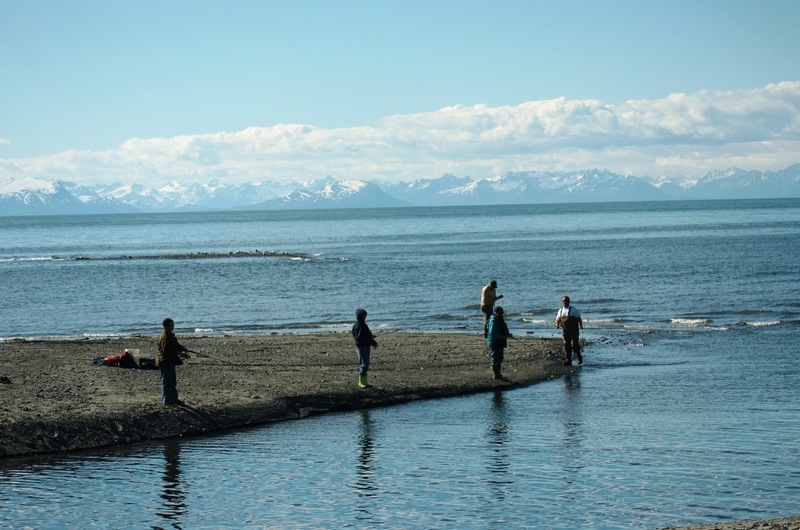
x=366, y=443
x=172, y=494
x=572, y=437
x=497, y=435
x=365, y=472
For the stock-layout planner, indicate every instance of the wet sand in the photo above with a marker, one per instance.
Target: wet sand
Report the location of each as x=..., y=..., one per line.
x=790, y=523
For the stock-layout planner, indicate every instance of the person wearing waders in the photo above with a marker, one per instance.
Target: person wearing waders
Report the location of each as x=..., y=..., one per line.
x=569, y=320
x=497, y=337
x=364, y=341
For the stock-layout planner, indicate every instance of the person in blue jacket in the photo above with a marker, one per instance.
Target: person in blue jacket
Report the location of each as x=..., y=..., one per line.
x=497, y=337
x=364, y=342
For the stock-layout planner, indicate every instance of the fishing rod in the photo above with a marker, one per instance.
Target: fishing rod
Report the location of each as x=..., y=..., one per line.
x=204, y=355
x=519, y=340
x=528, y=348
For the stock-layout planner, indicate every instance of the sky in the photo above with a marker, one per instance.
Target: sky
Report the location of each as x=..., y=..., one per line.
x=248, y=91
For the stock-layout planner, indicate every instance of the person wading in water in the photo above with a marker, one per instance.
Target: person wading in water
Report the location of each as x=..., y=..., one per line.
x=569, y=320
x=488, y=298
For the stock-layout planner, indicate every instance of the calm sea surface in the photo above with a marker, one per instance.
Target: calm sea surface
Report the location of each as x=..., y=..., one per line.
x=687, y=409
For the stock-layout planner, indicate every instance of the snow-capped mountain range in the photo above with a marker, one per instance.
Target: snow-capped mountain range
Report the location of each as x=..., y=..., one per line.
x=46, y=197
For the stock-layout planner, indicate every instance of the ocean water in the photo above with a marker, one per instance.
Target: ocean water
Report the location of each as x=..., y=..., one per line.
x=687, y=409
x=670, y=265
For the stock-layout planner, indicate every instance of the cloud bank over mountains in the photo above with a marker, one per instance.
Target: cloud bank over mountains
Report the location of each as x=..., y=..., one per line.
x=680, y=136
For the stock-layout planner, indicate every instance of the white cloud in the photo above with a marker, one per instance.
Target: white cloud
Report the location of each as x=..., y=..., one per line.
x=682, y=135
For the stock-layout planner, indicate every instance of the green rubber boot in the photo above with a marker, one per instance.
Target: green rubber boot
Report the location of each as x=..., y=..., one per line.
x=362, y=381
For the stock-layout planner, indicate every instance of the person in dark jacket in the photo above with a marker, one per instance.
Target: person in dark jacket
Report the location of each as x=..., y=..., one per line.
x=170, y=354
x=364, y=342
x=497, y=337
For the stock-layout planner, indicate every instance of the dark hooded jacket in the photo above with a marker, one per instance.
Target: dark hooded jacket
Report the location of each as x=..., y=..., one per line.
x=169, y=349
x=361, y=331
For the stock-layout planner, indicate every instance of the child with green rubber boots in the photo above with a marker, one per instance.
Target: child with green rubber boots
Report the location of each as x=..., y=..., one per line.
x=364, y=342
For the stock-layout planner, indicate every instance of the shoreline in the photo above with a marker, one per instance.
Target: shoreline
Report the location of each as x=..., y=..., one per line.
x=54, y=399
x=782, y=523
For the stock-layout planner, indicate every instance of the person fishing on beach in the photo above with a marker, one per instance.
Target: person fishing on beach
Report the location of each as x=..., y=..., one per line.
x=497, y=337
x=364, y=342
x=170, y=354
x=488, y=298
x=569, y=320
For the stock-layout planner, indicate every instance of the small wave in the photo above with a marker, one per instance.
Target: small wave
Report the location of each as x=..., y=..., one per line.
x=36, y=258
x=760, y=323
x=537, y=321
x=204, y=330
x=16, y=339
x=69, y=337
x=104, y=336
x=338, y=326
x=447, y=317
x=689, y=322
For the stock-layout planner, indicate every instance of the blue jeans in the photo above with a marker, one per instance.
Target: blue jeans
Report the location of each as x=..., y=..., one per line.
x=363, y=359
x=169, y=384
x=496, y=353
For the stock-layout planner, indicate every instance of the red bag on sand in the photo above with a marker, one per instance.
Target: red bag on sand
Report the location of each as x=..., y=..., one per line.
x=123, y=360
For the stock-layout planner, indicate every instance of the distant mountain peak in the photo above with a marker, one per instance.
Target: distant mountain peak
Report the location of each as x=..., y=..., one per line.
x=33, y=196
x=12, y=185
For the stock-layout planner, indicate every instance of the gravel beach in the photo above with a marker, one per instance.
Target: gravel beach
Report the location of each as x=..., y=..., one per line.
x=55, y=399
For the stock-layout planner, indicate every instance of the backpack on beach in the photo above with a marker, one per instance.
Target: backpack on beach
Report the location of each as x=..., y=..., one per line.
x=146, y=363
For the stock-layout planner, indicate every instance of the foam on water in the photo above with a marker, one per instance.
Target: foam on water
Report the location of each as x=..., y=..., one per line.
x=761, y=323
x=690, y=322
